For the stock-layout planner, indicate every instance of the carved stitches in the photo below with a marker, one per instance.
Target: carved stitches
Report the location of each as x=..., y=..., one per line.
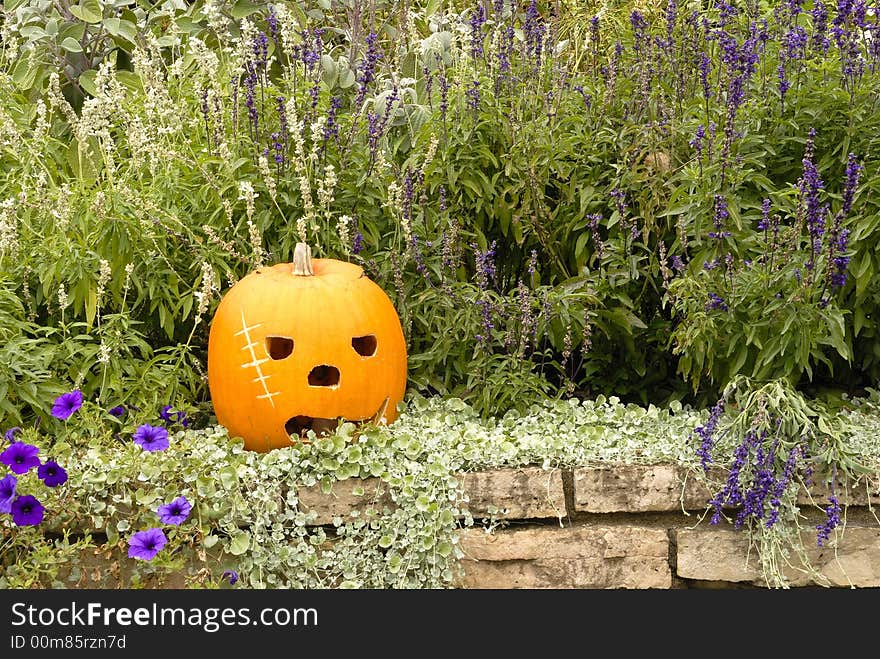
x=254, y=362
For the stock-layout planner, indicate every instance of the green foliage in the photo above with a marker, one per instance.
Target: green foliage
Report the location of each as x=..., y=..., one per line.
x=250, y=513
x=577, y=161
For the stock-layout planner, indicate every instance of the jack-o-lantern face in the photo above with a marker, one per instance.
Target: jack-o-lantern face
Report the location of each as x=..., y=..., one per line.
x=295, y=346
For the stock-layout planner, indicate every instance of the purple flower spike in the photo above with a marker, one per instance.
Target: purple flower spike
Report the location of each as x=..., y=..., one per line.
x=27, y=511
x=52, y=474
x=66, y=404
x=832, y=521
x=144, y=545
x=151, y=438
x=175, y=512
x=20, y=457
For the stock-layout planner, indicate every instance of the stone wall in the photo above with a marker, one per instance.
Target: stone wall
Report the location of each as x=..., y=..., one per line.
x=624, y=527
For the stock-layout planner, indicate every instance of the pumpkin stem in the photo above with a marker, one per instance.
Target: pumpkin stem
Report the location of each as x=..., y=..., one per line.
x=302, y=260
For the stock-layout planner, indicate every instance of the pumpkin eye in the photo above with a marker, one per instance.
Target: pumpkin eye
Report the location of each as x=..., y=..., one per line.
x=324, y=376
x=279, y=347
x=365, y=346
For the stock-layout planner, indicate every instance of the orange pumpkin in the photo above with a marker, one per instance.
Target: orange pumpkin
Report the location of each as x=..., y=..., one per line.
x=296, y=346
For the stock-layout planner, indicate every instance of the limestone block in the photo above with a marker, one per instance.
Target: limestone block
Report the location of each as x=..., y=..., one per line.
x=583, y=556
x=718, y=554
x=529, y=493
x=637, y=488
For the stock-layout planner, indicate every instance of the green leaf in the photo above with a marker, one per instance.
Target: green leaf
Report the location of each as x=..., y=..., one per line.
x=33, y=32
x=346, y=78
x=89, y=11
x=23, y=74
x=229, y=477
x=87, y=82
x=240, y=543
x=121, y=28
x=71, y=45
x=243, y=9
x=330, y=75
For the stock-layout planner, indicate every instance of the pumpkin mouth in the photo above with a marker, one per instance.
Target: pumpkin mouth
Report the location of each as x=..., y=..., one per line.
x=299, y=426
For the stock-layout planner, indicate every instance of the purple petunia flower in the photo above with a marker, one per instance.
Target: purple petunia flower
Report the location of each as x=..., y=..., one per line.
x=171, y=417
x=52, y=474
x=20, y=457
x=146, y=544
x=175, y=512
x=10, y=434
x=27, y=511
x=151, y=438
x=7, y=493
x=232, y=575
x=67, y=404
x=117, y=411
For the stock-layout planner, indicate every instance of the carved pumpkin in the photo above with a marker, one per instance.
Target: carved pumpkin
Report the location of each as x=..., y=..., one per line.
x=296, y=346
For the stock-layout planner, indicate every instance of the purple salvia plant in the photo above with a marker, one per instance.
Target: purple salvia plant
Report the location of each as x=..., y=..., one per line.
x=838, y=235
x=444, y=97
x=534, y=30
x=782, y=483
x=472, y=95
x=528, y=323
x=250, y=100
x=622, y=208
x=485, y=265
x=374, y=134
x=640, y=32
x=697, y=141
x=486, y=316
x=366, y=70
x=810, y=187
x=761, y=485
x=476, y=22
x=719, y=218
x=706, y=433
x=593, y=223
x=485, y=275
x=832, y=520
x=595, y=36
x=331, y=125
x=819, y=41
x=784, y=84
x=851, y=182
x=764, y=222
x=716, y=302
x=671, y=18
x=588, y=100
x=732, y=493
x=272, y=24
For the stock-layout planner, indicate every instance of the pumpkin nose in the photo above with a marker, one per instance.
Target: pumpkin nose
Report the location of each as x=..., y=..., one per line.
x=324, y=376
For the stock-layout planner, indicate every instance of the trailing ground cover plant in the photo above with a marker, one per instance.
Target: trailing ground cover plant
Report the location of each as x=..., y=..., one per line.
x=206, y=513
